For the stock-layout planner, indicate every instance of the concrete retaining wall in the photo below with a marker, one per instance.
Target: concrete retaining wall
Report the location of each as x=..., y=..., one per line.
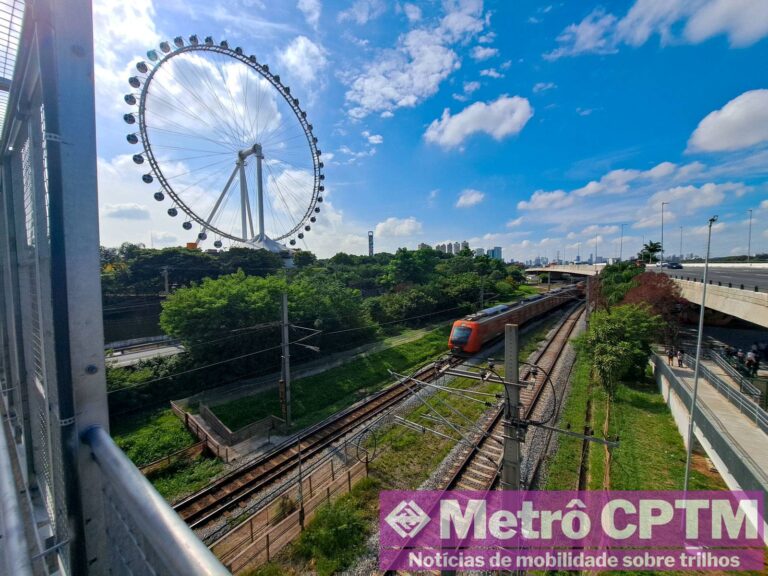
x=259, y=428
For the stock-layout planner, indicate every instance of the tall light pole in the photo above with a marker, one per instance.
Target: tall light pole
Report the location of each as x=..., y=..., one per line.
x=749, y=242
x=621, y=243
x=681, y=243
x=698, y=358
x=662, y=229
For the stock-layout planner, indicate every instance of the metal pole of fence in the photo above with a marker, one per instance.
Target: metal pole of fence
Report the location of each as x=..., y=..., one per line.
x=698, y=360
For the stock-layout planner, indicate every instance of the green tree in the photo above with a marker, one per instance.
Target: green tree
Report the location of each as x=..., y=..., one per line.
x=618, y=343
x=649, y=251
x=304, y=258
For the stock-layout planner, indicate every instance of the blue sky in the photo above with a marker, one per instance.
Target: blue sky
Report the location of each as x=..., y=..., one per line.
x=535, y=126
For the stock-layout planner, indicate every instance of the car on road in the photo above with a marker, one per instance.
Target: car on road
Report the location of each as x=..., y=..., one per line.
x=662, y=264
x=675, y=266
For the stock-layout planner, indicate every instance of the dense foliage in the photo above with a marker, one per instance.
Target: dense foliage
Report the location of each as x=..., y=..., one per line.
x=618, y=343
x=225, y=307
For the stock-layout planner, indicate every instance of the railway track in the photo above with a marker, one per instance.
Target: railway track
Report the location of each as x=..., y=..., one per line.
x=478, y=468
x=238, y=486
x=210, y=504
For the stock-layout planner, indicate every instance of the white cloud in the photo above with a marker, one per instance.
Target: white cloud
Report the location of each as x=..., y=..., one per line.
x=501, y=118
x=590, y=36
x=129, y=211
x=480, y=53
x=398, y=227
x=701, y=230
x=764, y=205
x=491, y=73
x=373, y=138
x=543, y=86
x=362, y=11
x=469, y=197
x=741, y=123
x=514, y=223
x=584, y=111
x=593, y=229
x=311, y=10
x=744, y=22
x=303, y=59
x=470, y=87
x=413, y=71
x=541, y=200
x=114, y=49
x=164, y=238
x=691, y=198
x=412, y=12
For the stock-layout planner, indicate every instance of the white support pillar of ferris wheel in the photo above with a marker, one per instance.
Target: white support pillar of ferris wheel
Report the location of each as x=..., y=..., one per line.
x=259, y=190
x=222, y=195
x=243, y=197
x=247, y=204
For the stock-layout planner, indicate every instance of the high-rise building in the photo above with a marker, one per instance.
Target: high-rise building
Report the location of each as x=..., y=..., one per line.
x=479, y=251
x=370, y=243
x=449, y=248
x=423, y=246
x=465, y=245
x=495, y=253
x=456, y=247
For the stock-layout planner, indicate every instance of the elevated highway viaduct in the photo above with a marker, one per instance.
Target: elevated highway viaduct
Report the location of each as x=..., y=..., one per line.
x=734, y=289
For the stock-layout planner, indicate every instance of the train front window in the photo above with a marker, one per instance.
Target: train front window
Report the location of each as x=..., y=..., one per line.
x=460, y=335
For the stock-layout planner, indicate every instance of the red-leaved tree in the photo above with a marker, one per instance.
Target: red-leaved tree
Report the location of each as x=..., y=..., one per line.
x=661, y=293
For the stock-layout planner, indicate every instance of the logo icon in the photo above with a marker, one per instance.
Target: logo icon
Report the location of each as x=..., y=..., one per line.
x=407, y=519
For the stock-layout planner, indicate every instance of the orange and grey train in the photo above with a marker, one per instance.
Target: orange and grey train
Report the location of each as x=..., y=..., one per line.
x=472, y=332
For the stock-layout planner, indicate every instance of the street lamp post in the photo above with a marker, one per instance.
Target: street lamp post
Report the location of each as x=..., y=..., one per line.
x=749, y=242
x=681, y=243
x=662, y=232
x=698, y=359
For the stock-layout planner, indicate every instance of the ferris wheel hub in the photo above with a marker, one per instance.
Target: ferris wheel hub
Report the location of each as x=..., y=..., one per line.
x=253, y=150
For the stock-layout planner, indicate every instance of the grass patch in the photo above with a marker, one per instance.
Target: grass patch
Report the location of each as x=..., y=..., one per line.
x=406, y=457
x=184, y=478
x=317, y=397
x=563, y=467
x=651, y=453
x=147, y=437
x=335, y=537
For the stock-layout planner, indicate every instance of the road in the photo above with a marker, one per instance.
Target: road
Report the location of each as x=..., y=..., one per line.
x=133, y=355
x=749, y=277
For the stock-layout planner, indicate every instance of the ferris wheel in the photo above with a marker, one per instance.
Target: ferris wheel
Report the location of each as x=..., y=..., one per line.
x=226, y=143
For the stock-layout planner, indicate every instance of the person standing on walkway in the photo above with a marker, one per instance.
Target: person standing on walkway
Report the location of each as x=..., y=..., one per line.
x=670, y=356
x=680, y=358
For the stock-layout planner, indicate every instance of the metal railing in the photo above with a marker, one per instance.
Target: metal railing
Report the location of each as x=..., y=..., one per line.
x=745, y=385
x=163, y=544
x=748, y=473
x=16, y=551
x=739, y=400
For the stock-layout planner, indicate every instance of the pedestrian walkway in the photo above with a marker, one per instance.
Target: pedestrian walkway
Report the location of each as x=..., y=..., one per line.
x=741, y=434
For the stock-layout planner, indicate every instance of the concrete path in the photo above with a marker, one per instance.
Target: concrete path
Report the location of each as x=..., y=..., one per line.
x=747, y=438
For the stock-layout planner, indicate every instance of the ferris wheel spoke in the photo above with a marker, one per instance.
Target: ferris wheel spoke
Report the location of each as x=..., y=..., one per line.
x=226, y=110
x=172, y=101
x=219, y=117
x=187, y=135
